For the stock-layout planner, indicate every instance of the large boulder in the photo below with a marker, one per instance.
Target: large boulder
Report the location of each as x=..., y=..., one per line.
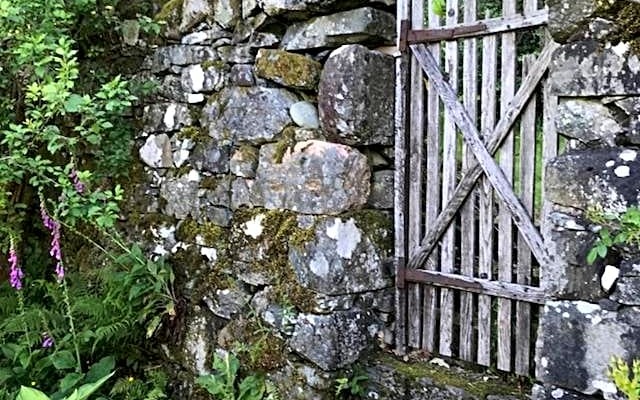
x=335, y=340
x=577, y=340
x=363, y=25
x=587, y=68
x=312, y=177
x=300, y=9
x=345, y=255
x=288, y=69
x=248, y=114
x=356, y=96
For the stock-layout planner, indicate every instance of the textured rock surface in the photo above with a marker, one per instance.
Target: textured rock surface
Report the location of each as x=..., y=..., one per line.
x=164, y=57
x=551, y=392
x=335, y=340
x=166, y=117
x=355, y=26
x=587, y=68
x=342, y=258
x=156, y=151
x=197, y=78
x=577, y=340
x=356, y=96
x=181, y=195
x=313, y=177
x=288, y=69
x=298, y=9
x=381, y=190
x=305, y=115
x=194, y=12
x=587, y=121
x=254, y=114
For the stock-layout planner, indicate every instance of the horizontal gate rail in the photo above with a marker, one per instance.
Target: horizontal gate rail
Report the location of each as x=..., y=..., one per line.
x=505, y=290
x=474, y=29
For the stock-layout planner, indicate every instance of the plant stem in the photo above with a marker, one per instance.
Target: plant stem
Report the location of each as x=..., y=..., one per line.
x=72, y=327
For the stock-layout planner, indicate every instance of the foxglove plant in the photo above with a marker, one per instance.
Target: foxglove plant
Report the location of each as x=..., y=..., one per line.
x=15, y=272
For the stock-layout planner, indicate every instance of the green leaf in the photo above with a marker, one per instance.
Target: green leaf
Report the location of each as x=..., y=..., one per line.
x=101, y=369
x=63, y=360
x=87, y=390
x=592, y=255
x=439, y=7
x=31, y=394
x=70, y=381
x=602, y=250
x=73, y=103
x=251, y=388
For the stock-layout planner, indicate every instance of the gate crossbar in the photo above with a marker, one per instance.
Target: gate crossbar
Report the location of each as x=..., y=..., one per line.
x=471, y=136
x=501, y=131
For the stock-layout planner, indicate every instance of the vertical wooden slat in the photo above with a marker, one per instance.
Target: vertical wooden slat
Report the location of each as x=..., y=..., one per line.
x=400, y=187
x=505, y=242
x=526, y=179
x=485, y=198
x=416, y=168
x=467, y=217
x=432, y=191
x=449, y=170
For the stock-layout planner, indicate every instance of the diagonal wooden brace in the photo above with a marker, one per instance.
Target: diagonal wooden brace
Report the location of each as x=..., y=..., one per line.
x=483, y=155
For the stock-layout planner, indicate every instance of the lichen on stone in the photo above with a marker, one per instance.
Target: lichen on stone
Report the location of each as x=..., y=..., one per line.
x=287, y=141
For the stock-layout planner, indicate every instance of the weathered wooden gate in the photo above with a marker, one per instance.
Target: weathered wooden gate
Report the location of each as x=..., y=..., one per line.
x=474, y=125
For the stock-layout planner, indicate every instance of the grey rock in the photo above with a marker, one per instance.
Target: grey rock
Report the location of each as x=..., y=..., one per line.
x=587, y=68
x=181, y=196
x=305, y=115
x=577, y=340
x=196, y=346
x=244, y=162
x=164, y=57
x=304, y=134
x=551, y=392
x=263, y=39
x=242, y=75
x=248, y=115
x=333, y=341
x=220, y=216
x=604, y=177
x=569, y=276
x=630, y=267
x=248, y=7
x=196, y=78
x=248, y=274
x=587, y=121
x=381, y=190
x=204, y=37
x=130, y=29
x=311, y=383
x=211, y=157
x=355, y=96
x=376, y=159
x=226, y=303
x=166, y=117
x=568, y=17
x=288, y=69
x=156, y=151
x=217, y=191
x=355, y=26
x=627, y=291
x=302, y=9
x=194, y=12
x=242, y=193
x=238, y=54
x=227, y=12
x=182, y=151
x=342, y=258
x=247, y=27
x=313, y=177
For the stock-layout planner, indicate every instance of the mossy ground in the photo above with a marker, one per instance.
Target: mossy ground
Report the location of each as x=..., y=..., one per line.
x=470, y=382
x=628, y=19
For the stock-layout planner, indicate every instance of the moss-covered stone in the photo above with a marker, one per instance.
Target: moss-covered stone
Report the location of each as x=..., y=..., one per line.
x=280, y=231
x=377, y=225
x=628, y=19
x=170, y=11
x=286, y=142
x=288, y=69
x=205, y=234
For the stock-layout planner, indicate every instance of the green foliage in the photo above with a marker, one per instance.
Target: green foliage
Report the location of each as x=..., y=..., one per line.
x=81, y=393
x=627, y=381
x=225, y=384
x=615, y=229
x=439, y=7
x=351, y=387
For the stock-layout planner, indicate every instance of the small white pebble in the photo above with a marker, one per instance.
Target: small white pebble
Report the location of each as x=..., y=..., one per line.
x=609, y=277
x=610, y=163
x=557, y=393
x=628, y=155
x=622, y=171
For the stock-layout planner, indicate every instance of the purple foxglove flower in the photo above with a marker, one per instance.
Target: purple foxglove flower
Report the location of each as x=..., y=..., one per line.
x=77, y=183
x=47, y=341
x=15, y=272
x=55, y=250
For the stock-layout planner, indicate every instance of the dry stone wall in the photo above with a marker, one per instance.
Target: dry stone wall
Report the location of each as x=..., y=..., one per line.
x=595, y=314
x=267, y=154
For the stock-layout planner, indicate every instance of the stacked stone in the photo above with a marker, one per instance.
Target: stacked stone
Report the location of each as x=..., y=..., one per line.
x=594, y=315
x=269, y=148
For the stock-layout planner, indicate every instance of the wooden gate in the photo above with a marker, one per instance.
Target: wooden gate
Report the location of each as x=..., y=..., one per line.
x=474, y=125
